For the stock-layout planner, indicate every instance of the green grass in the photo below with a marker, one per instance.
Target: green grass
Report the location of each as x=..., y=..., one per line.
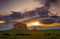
x=32, y=34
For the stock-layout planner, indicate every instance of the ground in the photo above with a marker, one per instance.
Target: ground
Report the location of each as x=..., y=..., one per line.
x=30, y=34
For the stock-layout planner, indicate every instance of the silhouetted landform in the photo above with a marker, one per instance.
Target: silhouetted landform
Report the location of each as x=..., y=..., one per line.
x=20, y=26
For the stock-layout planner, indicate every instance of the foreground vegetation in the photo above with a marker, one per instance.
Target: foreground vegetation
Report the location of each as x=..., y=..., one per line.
x=30, y=34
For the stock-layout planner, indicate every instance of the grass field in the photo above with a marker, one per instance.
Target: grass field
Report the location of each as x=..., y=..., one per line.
x=30, y=34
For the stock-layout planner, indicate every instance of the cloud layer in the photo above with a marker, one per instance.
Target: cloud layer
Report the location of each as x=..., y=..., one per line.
x=53, y=5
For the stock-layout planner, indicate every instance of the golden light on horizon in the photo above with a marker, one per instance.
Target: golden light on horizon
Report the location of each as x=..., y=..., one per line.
x=36, y=23
x=1, y=22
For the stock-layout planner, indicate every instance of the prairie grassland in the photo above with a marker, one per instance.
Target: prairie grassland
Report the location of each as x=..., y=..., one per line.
x=30, y=34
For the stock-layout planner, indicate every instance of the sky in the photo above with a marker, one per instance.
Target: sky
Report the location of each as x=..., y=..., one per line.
x=6, y=6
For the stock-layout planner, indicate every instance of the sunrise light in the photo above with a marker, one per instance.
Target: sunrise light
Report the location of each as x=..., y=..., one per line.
x=1, y=22
x=36, y=23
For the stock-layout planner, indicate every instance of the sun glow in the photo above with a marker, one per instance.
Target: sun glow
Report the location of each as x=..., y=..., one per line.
x=36, y=23
x=2, y=22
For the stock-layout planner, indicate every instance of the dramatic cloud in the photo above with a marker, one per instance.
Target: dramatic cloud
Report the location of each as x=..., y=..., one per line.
x=53, y=5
